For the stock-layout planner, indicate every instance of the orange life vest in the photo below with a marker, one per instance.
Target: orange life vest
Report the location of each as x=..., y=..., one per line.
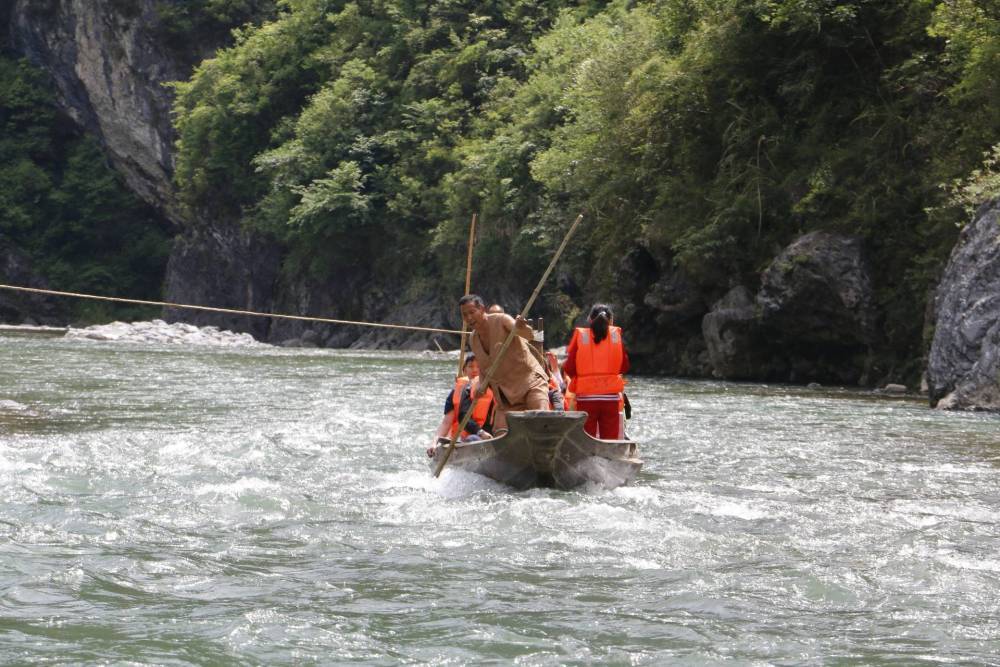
x=598, y=364
x=480, y=413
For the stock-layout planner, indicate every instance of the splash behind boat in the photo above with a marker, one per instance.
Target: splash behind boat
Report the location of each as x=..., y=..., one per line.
x=547, y=449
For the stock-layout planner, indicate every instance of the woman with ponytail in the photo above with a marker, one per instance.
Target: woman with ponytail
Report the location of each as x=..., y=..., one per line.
x=595, y=360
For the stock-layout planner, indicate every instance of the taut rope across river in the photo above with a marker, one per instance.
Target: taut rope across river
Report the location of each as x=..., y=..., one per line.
x=231, y=311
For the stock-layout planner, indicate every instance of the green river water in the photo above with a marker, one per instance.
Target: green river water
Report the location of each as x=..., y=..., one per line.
x=231, y=506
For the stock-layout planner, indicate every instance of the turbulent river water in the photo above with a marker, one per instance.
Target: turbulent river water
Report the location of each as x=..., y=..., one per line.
x=169, y=505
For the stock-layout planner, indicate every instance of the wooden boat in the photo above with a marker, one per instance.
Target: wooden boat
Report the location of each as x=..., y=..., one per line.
x=547, y=449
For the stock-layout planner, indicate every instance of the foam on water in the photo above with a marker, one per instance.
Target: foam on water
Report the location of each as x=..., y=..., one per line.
x=158, y=331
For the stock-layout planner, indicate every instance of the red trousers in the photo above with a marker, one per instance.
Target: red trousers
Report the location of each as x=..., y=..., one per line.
x=604, y=420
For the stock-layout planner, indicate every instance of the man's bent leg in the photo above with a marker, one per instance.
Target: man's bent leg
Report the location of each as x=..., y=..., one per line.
x=537, y=398
x=499, y=419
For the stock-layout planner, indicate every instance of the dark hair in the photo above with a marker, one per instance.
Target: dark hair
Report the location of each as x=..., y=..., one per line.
x=469, y=358
x=472, y=298
x=600, y=319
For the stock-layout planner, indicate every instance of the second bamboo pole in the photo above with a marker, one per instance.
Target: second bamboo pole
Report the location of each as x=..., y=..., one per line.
x=468, y=288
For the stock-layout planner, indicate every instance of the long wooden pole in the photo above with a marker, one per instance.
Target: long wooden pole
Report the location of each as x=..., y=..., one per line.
x=468, y=289
x=510, y=337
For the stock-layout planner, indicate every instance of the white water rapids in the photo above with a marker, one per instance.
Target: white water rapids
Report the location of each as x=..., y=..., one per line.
x=219, y=505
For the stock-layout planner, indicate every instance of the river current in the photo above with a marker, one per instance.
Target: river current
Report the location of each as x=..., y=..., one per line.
x=182, y=505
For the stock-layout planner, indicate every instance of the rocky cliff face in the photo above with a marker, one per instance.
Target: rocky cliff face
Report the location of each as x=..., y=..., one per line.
x=109, y=63
x=661, y=316
x=733, y=334
x=25, y=307
x=813, y=318
x=963, y=369
x=223, y=267
x=109, y=69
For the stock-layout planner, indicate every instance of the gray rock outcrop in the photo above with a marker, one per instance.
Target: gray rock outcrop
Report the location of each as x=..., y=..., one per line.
x=224, y=267
x=731, y=330
x=819, y=291
x=963, y=367
x=109, y=68
x=427, y=310
x=813, y=319
x=662, y=316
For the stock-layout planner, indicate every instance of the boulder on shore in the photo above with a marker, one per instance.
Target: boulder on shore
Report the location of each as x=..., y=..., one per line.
x=963, y=368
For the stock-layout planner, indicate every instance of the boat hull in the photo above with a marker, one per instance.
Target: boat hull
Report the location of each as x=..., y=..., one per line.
x=547, y=449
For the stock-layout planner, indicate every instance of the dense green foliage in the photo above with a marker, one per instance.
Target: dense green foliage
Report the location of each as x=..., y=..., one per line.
x=334, y=126
x=62, y=203
x=711, y=131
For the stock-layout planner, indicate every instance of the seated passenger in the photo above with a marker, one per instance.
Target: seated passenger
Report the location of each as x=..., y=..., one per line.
x=458, y=403
x=553, y=363
x=557, y=384
x=557, y=402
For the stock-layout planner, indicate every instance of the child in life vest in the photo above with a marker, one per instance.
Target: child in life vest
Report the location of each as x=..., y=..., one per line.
x=459, y=401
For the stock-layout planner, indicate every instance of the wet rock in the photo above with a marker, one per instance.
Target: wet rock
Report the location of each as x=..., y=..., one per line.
x=426, y=311
x=342, y=295
x=819, y=289
x=813, y=319
x=298, y=342
x=662, y=317
x=310, y=338
x=894, y=389
x=963, y=368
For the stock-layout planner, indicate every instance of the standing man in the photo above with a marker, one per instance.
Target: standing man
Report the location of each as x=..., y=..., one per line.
x=519, y=381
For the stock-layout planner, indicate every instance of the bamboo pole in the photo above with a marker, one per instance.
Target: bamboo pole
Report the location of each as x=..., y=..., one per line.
x=230, y=311
x=510, y=337
x=468, y=289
